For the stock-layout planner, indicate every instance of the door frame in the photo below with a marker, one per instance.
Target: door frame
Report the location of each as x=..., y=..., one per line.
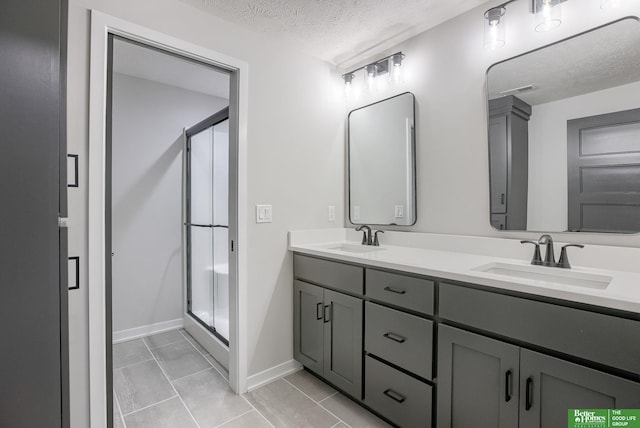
x=101, y=26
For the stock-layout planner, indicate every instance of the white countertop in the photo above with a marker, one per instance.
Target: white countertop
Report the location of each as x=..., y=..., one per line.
x=623, y=292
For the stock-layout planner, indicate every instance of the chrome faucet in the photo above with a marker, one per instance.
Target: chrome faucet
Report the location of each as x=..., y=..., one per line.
x=366, y=234
x=549, y=257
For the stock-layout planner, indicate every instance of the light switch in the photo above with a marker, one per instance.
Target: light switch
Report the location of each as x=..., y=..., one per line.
x=399, y=211
x=356, y=213
x=264, y=213
x=331, y=213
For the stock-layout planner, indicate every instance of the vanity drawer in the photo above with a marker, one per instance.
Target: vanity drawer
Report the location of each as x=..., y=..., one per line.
x=400, y=398
x=335, y=275
x=400, y=338
x=593, y=336
x=404, y=291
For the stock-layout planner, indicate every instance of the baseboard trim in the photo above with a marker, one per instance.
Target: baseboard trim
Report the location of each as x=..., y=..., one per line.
x=274, y=373
x=145, y=330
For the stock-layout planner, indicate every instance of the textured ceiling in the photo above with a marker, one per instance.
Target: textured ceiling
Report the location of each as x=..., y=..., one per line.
x=339, y=31
x=600, y=59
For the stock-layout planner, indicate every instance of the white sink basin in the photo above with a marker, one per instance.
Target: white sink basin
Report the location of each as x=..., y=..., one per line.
x=354, y=248
x=547, y=275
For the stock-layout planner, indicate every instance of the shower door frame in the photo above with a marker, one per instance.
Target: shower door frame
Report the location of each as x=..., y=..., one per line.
x=209, y=122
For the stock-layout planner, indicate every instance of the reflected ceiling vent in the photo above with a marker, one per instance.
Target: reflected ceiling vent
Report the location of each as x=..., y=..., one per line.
x=519, y=90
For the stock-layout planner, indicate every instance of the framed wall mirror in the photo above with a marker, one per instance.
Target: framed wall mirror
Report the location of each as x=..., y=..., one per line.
x=381, y=145
x=564, y=134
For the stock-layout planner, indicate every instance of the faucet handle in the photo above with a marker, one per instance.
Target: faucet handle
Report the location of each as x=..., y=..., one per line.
x=376, y=243
x=537, y=259
x=563, y=262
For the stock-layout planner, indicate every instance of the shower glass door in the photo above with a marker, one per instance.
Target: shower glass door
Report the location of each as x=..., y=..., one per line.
x=207, y=223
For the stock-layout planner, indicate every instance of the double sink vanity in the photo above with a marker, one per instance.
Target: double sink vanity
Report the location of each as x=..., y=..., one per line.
x=455, y=332
x=433, y=338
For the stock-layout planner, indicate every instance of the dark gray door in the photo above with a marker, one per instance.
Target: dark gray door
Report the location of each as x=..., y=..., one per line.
x=33, y=286
x=603, y=154
x=343, y=343
x=308, y=313
x=477, y=381
x=549, y=387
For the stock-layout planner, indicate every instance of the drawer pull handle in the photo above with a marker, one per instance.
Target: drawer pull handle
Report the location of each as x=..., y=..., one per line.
x=319, y=311
x=394, y=395
x=507, y=386
x=395, y=337
x=528, y=395
x=394, y=290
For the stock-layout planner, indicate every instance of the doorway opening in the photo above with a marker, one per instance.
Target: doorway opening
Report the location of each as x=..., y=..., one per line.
x=170, y=211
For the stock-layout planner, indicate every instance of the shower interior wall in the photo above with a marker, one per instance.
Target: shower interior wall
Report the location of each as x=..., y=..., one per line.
x=148, y=120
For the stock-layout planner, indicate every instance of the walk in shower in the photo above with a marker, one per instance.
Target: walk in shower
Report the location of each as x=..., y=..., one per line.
x=207, y=223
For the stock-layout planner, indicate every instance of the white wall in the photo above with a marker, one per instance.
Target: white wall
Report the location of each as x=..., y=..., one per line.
x=547, y=205
x=148, y=118
x=445, y=68
x=295, y=138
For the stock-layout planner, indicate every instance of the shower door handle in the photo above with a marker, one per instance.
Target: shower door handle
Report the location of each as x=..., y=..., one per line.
x=198, y=225
x=207, y=225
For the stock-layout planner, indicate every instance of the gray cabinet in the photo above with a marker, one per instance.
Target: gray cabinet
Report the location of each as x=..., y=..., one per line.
x=328, y=335
x=477, y=381
x=397, y=396
x=549, y=386
x=508, y=162
x=483, y=382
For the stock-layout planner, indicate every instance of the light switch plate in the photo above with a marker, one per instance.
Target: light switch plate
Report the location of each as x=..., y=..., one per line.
x=264, y=213
x=331, y=213
x=399, y=211
x=356, y=213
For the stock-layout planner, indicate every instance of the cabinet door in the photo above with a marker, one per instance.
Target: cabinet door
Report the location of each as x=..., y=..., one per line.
x=308, y=325
x=549, y=387
x=498, y=141
x=343, y=343
x=477, y=381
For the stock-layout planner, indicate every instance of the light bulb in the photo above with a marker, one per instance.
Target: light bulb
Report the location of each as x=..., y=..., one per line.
x=371, y=76
x=396, y=68
x=494, y=30
x=549, y=17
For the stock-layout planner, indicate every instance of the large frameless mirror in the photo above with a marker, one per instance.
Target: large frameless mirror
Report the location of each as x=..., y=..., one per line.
x=564, y=134
x=382, y=162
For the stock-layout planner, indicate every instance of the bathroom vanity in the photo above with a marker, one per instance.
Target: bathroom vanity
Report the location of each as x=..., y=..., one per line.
x=427, y=338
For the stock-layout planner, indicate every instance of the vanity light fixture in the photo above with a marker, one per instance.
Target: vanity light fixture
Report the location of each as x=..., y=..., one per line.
x=548, y=14
x=376, y=69
x=396, y=70
x=348, y=78
x=494, y=27
x=372, y=72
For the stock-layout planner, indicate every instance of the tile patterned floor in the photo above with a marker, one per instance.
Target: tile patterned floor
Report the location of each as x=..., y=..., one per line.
x=169, y=380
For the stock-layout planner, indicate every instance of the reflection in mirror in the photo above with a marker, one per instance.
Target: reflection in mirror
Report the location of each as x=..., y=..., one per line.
x=382, y=162
x=564, y=134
